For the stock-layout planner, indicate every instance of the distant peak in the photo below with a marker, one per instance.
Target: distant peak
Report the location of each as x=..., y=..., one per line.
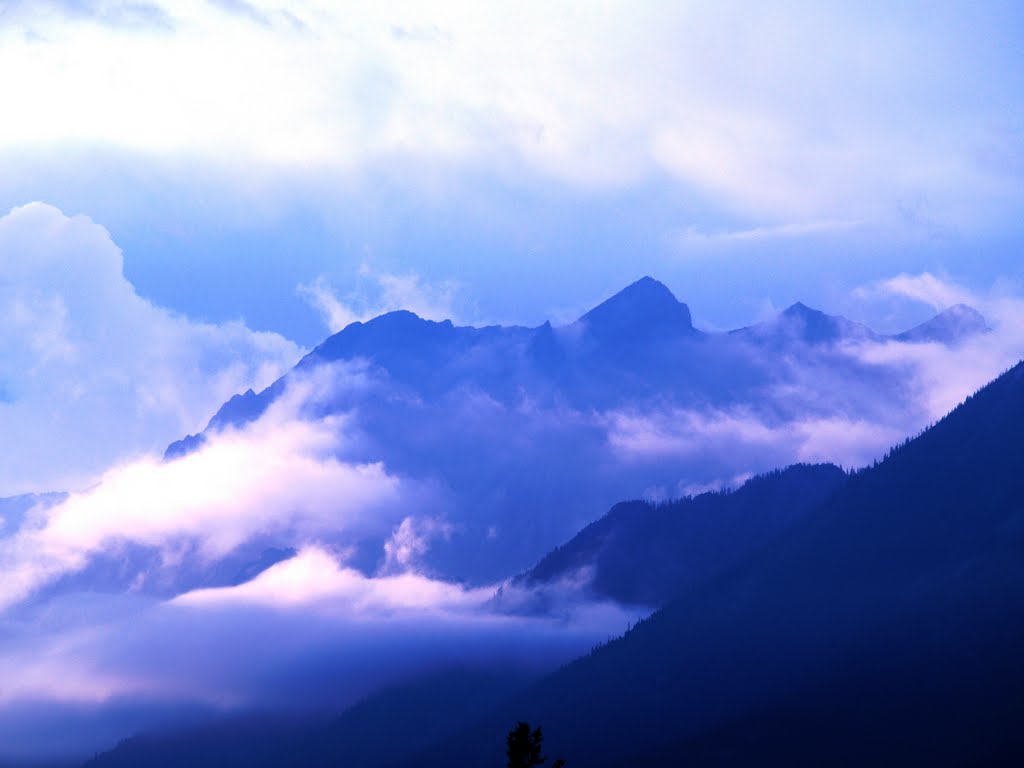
x=801, y=310
x=637, y=310
x=648, y=287
x=962, y=310
x=813, y=326
x=950, y=326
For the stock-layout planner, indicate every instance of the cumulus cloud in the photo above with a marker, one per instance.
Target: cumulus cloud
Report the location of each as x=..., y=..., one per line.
x=92, y=372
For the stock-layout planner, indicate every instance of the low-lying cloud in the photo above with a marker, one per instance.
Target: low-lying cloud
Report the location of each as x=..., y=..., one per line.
x=941, y=376
x=279, y=478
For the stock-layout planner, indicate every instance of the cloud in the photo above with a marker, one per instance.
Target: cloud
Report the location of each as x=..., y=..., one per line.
x=939, y=293
x=280, y=479
x=114, y=14
x=693, y=236
x=91, y=371
x=381, y=292
x=719, y=99
x=745, y=439
x=308, y=634
x=314, y=578
x=940, y=377
x=410, y=541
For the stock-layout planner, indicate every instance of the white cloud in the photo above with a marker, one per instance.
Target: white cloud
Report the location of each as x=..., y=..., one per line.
x=90, y=371
x=410, y=541
x=314, y=578
x=306, y=633
x=693, y=236
x=939, y=293
x=940, y=377
x=379, y=292
x=783, y=113
x=750, y=440
x=278, y=477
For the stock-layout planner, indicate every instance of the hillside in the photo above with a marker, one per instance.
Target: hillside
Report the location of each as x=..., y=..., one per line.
x=645, y=553
x=882, y=629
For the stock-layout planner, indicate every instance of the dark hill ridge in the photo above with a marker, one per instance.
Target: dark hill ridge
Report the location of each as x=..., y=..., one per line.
x=389, y=725
x=882, y=629
x=644, y=553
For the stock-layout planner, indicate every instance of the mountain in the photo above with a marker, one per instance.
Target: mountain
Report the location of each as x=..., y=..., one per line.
x=644, y=553
x=642, y=312
x=951, y=326
x=884, y=628
x=522, y=432
x=800, y=323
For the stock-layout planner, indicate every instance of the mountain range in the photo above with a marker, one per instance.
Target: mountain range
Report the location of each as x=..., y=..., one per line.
x=523, y=432
x=880, y=627
x=883, y=628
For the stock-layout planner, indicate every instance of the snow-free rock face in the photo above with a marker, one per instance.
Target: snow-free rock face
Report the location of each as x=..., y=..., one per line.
x=952, y=326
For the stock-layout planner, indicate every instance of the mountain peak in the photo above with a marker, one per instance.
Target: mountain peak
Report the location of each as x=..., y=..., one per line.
x=636, y=311
x=812, y=326
x=950, y=326
x=799, y=309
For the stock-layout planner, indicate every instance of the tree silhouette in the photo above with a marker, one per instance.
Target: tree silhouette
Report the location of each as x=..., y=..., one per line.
x=523, y=747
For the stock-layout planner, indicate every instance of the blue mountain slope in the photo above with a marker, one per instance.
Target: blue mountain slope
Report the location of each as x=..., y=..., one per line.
x=646, y=554
x=951, y=326
x=523, y=432
x=882, y=629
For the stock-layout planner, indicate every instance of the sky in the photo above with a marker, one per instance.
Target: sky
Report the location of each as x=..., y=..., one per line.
x=193, y=194
x=254, y=175
x=528, y=161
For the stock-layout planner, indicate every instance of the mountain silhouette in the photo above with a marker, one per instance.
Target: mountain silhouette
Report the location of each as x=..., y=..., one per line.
x=800, y=323
x=643, y=311
x=509, y=424
x=881, y=628
x=884, y=628
x=951, y=326
x=645, y=553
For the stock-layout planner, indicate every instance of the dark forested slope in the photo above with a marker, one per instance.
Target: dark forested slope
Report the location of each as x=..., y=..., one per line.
x=646, y=553
x=884, y=628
